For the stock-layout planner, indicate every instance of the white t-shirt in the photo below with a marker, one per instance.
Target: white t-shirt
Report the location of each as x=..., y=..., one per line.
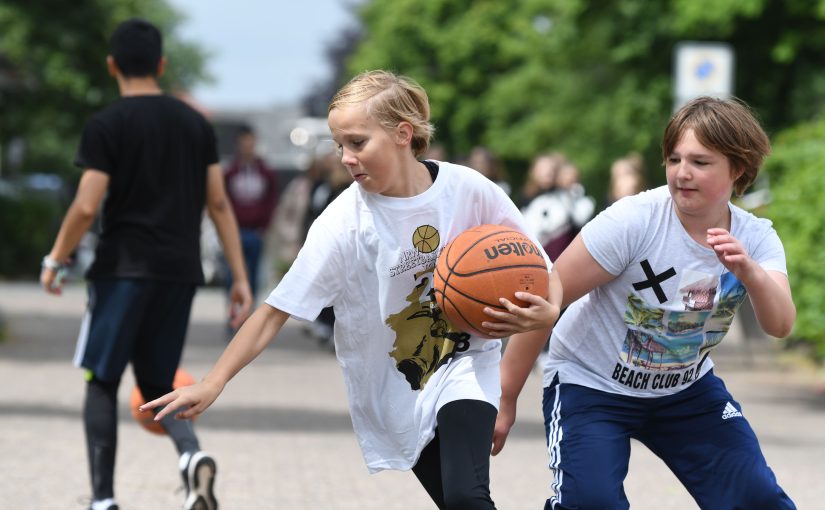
x=649, y=331
x=372, y=258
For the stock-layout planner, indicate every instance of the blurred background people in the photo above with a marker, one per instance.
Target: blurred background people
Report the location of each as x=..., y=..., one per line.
x=253, y=190
x=487, y=164
x=560, y=207
x=295, y=211
x=626, y=177
x=541, y=176
x=436, y=152
x=304, y=198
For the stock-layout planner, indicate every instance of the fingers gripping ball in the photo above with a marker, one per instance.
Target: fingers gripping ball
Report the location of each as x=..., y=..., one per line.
x=146, y=419
x=480, y=266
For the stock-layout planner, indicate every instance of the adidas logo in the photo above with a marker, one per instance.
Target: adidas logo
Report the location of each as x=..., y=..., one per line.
x=730, y=412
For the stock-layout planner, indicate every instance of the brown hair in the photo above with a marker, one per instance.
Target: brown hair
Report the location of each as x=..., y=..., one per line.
x=391, y=99
x=727, y=126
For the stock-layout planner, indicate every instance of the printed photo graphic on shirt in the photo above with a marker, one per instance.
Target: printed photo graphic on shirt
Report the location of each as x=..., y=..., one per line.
x=698, y=290
x=655, y=352
x=639, y=315
x=675, y=341
x=731, y=294
x=424, y=338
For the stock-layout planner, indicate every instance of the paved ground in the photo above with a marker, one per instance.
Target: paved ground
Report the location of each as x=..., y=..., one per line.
x=283, y=438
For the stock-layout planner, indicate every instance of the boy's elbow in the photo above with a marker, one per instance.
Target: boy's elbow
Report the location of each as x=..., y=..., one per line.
x=217, y=206
x=85, y=212
x=781, y=333
x=784, y=328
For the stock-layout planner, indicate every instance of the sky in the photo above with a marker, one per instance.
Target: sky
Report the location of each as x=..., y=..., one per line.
x=263, y=53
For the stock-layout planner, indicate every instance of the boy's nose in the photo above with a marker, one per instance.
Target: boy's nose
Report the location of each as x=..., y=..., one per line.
x=347, y=159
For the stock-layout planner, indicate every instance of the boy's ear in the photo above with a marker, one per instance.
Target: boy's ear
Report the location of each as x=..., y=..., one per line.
x=737, y=172
x=403, y=133
x=161, y=67
x=111, y=65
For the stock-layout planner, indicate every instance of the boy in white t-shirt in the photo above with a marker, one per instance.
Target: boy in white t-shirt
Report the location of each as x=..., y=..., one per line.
x=422, y=395
x=654, y=282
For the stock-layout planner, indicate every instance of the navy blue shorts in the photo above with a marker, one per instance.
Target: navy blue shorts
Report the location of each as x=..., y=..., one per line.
x=700, y=434
x=139, y=321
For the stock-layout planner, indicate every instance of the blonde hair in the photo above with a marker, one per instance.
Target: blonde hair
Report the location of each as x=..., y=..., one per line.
x=391, y=99
x=727, y=126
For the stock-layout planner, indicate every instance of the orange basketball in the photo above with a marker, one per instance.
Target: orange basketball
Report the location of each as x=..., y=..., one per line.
x=480, y=266
x=146, y=419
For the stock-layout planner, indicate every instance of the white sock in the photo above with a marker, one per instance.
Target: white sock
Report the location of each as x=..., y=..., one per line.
x=184, y=460
x=102, y=504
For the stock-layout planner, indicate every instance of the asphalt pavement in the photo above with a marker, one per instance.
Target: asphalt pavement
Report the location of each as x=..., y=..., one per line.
x=282, y=436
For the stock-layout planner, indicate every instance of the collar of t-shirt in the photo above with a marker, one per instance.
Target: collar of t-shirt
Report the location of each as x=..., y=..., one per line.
x=432, y=167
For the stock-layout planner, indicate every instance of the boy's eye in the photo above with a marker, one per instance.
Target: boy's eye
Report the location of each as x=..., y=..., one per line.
x=357, y=143
x=673, y=160
x=339, y=149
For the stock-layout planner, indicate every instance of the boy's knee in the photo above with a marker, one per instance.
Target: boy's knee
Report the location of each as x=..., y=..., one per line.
x=757, y=489
x=765, y=497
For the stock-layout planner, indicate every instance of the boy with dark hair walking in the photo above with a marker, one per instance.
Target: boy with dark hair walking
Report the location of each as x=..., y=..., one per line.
x=152, y=162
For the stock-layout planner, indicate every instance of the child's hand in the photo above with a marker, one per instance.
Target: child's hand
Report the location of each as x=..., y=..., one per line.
x=539, y=314
x=192, y=399
x=240, y=297
x=730, y=252
x=504, y=422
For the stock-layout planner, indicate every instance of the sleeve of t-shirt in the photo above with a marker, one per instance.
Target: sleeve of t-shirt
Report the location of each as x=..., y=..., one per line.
x=610, y=237
x=96, y=149
x=768, y=251
x=315, y=277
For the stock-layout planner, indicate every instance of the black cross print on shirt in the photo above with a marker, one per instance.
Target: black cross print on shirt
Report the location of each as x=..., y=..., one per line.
x=653, y=280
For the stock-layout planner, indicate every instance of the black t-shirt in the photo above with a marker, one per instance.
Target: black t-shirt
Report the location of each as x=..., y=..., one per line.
x=156, y=150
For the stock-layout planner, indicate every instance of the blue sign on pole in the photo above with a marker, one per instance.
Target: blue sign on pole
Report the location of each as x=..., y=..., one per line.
x=702, y=69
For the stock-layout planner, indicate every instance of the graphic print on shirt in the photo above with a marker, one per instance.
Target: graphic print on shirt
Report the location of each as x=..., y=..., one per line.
x=672, y=340
x=424, y=338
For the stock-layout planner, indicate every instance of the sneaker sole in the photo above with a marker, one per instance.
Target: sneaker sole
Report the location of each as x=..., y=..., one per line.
x=201, y=480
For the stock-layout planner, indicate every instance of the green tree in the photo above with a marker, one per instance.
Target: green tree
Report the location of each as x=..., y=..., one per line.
x=798, y=190
x=590, y=78
x=53, y=74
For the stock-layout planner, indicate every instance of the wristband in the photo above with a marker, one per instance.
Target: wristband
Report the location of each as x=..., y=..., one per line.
x=50, y=263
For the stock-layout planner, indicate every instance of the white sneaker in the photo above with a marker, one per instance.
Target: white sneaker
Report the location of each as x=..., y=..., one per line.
x=198, y=474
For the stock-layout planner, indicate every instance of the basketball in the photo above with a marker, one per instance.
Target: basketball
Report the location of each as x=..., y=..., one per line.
x=146, y=419
x=480, y=266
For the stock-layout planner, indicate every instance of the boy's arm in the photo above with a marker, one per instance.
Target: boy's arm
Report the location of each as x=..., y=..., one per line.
x=577, y=273
x=519, y=357
x=770, y=295
x=769, y=291
x=220, y=212
x=253, y=337
x=90, y=191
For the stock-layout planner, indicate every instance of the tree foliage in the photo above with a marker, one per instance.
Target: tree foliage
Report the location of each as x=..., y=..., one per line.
x=590, y=78
x=53, y=73
x=798, y=190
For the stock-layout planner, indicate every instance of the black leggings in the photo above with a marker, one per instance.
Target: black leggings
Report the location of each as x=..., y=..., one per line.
x=455, y=467
x=100, y=423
